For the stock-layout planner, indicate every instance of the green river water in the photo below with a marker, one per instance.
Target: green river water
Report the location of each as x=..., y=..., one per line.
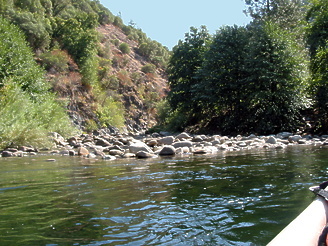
x=232, y=198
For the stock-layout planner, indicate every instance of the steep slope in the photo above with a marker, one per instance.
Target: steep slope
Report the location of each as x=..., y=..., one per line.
x=104, y=72
x=137, y=88
x=122, y=76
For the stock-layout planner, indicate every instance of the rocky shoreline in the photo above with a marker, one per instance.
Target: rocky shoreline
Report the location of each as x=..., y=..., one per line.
x=106, y=145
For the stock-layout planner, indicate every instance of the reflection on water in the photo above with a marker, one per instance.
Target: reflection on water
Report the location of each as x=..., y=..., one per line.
x=233, y=198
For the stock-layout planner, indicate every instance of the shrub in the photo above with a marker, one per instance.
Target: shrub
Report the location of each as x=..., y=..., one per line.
x=25, y=122
x=124, y=48
x=28, y=110
x=110, y=112
x=56, y=59
x=116, y=42
x=148, y=68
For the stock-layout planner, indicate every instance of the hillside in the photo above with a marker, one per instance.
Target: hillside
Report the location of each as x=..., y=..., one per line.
x=105, y=73
x=123, y=77
x=138, y=88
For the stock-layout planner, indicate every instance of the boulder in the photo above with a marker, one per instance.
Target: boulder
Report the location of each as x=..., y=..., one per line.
x=182, y=136
x=7, y=154
x=71, y=152
x=116, y=152
x=102, y=142
x=82, y=151
x=197, y=139
x=152, y=143
x=182, y=144
x=242, y=144
x=129, y=155
x=271, y=140
x=284, y=135
x=144, y=154
x=167, y=150
x=166, y=140
x=293, y=139
x=138, y=146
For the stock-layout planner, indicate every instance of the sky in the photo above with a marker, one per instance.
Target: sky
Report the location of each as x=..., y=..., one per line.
x=168, y=21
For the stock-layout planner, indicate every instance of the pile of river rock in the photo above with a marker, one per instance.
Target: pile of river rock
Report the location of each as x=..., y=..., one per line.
x=102, y=144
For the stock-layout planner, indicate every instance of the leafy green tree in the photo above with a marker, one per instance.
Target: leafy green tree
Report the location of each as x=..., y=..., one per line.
x=80, y=39
x=318, y=42
x=28, y=110
x=222, y=89
x=286, y=13
x=59, y=6
x=278, y=80
x=37, y=29
x=184, y=63
x=17, y=63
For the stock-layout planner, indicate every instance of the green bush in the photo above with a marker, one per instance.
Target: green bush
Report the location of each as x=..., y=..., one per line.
x=56, y=59
x=28, y=110
x=110, y=112
x=148, y=68
x=124, y=48
x=27, y=122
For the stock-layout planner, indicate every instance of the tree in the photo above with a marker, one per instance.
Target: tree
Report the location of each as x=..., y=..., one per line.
x=277, y=78
x=80, y=39
x=28, y=110
x=286, y=13
x=17, y=63
x=318, y=41
x=185, y=61
x=222, y=88
x=36, y=28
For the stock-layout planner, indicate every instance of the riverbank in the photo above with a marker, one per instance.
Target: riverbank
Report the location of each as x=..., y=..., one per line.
x=105, y=145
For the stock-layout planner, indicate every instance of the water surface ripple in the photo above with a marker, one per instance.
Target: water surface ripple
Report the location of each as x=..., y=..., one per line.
x=232, y=198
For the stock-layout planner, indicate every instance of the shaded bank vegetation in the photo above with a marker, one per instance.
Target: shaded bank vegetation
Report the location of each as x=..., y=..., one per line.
x=267, y=77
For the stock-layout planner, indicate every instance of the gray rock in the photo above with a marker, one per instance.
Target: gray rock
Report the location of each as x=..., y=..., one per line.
x=144, y=154
x=302, y=141
x=138, y=146
x=64, y=152
x=167, y=150
x=7, y=153
x=183, y=135
x=166, y=140
x=129, y=155
x=182, y=144
x=152, y=143
x=242, y=144
x=284, y=135
x=102, y=142
x=271, y=140
x=116, y=152
x=197, y=139
x=294, y=139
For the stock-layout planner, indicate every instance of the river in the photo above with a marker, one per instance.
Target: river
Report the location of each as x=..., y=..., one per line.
x=231, y=198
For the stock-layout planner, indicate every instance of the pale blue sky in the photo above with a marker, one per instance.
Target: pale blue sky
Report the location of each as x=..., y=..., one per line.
x=167, y=21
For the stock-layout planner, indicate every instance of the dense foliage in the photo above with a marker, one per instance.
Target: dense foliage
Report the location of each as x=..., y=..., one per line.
x=318, y=42
x=63, y=37
x=254, y=79
x=28, y=110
